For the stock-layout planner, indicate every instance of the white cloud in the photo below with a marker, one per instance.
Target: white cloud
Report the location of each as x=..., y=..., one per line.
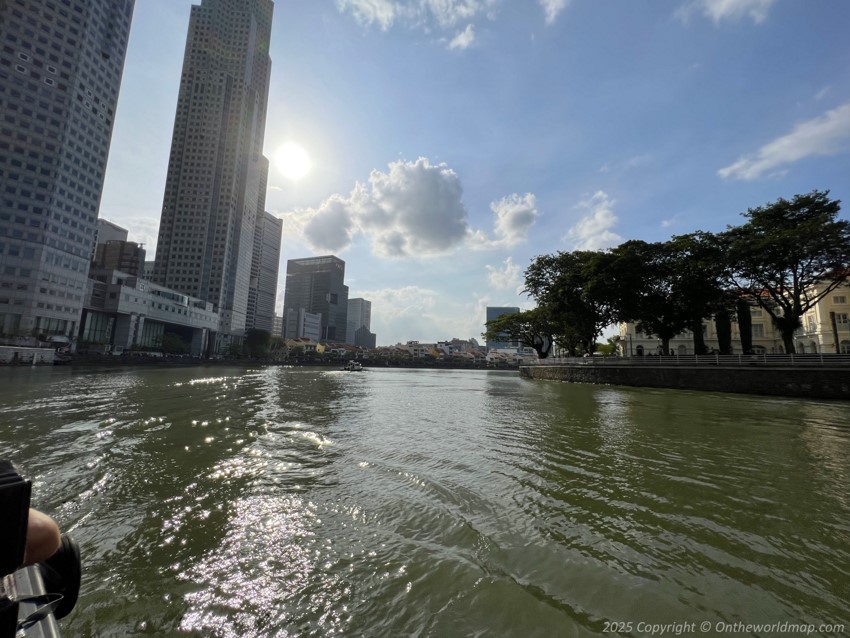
x=513, y=217
x=368, y=12
x=429, y=15
x=464, y=39
x=413, y=209
x=827, y=134
x=593, y=231
x=551, y=8
x=413, y=312
x=719, y=10
x=507, y=277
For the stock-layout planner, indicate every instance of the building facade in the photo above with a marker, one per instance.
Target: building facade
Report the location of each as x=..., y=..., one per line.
x=60, y=73
x=358, y=330
x=300, y=324
x=265, y=263
x=826, y=327
x=215, y=185
x=316, y=285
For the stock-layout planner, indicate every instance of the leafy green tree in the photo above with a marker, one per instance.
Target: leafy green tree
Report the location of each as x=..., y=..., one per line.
x=648, y=290
x=570, y=291
x=532, y=328
x=789, y=255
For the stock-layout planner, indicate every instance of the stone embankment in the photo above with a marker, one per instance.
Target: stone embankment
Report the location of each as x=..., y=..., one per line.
x=827, y=380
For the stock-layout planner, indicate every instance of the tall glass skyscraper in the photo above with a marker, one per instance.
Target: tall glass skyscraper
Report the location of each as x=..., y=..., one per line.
x=215, y=186
x=315, y=284
x=60, y=71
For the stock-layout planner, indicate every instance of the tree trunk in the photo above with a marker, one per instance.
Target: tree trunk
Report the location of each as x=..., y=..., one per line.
x=699, y=338
x=665, y=345
x=745, y=326
x=788, y=341
x=723, y=325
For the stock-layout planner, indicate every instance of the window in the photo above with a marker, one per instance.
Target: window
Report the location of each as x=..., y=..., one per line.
x=839, y=299
x=758, y=330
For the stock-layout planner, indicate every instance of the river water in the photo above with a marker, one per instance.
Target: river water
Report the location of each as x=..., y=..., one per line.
x=213, y=501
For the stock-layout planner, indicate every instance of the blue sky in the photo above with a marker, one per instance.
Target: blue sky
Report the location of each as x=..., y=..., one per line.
x=452, y=141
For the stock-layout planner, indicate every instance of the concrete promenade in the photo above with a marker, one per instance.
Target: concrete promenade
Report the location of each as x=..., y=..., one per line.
x=805, y=376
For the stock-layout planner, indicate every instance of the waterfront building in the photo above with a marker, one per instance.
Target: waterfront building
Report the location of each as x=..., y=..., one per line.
x=316, y=285
x=115, y=254
x=215, y=185
x=123, y=311
x=359, y=324
x=265, y=264
x=494, y=312
x=766, y=338
x=826, y=327
x=107, y=231
x=300, y=324
x=60, y=73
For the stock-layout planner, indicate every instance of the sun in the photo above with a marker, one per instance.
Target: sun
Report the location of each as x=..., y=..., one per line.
x=292, y=161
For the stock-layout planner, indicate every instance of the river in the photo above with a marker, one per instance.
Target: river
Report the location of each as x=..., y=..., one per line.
x=219, y=501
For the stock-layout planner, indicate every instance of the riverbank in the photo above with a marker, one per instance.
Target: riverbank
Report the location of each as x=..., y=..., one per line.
x=803, y=382
x=146, y=359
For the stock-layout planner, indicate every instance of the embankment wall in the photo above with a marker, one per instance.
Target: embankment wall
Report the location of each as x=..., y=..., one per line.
x=813, y=383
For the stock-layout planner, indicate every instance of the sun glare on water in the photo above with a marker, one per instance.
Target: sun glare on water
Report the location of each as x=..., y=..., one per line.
x=292, y=161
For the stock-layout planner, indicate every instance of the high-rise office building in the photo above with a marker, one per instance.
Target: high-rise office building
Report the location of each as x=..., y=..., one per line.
x=60, y=72
x=264, y=268
x=315, y=284
x=215, y=186
x=359, y=324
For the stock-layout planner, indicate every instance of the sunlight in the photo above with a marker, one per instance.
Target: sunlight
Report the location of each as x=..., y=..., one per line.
x=292, y=161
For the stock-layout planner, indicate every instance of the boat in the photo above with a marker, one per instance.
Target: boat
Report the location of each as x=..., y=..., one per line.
x=353, y=366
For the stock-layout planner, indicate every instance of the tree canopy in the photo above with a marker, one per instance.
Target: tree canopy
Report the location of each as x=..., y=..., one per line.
x=788, y=256
x=785, y=258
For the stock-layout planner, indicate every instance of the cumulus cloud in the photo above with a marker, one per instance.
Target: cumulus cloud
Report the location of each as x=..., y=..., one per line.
x=593, y=231
x=428, y=315
x=719, y=10
x=513, y=216
x=508, y=276
x=827, y=134
x=413, y=209
x=551, y=9
x=464, y=39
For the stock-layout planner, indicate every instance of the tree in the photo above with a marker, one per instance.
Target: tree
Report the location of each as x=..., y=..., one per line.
x=723, y=326
x=257, y=342
x=698, y=269
x=648, y=289
x=745, y=325
x=172, y=344
x=567, y=289
x=788, y=256
x=532, y=328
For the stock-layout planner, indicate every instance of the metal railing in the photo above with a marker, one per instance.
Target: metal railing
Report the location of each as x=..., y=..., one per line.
x=733, y=360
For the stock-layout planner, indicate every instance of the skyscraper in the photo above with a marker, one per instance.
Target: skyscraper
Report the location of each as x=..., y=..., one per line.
x=316, y=285
x=359, y=323
x=215, y=186
x=60, y=72
x=265, y=264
